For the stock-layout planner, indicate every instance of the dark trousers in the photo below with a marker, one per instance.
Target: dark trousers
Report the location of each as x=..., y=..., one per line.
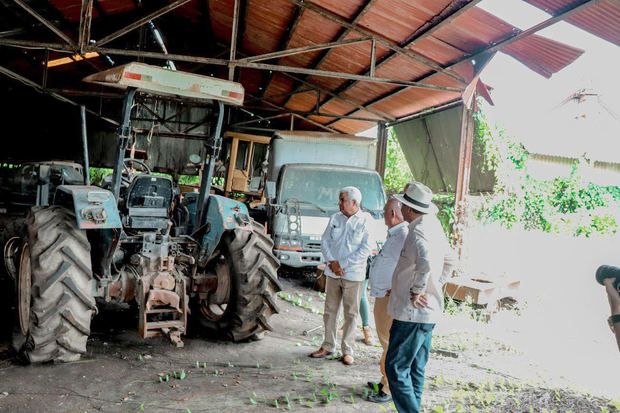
x=408, y=351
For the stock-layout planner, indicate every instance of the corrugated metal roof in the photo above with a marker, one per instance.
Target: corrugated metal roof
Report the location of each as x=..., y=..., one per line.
x=602, y=19
x=273, y=25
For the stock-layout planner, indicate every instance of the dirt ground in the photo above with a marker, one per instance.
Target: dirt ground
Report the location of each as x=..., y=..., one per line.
x=470, y=370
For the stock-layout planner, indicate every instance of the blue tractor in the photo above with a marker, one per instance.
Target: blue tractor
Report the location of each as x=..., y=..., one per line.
x=194, y=257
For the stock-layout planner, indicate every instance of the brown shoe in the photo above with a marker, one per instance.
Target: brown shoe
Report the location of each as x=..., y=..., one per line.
x=320, y=353
x=348, y=360
x=367, y=339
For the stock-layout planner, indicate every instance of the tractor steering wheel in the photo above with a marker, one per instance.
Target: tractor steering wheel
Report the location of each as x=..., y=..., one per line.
x=126, y=177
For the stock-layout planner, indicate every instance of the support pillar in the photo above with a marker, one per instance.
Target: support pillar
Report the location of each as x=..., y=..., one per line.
x=462, y=178
x=381, y=148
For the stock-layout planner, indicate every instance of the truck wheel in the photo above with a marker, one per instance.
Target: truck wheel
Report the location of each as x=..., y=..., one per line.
x=55, y=302
x=252, y=269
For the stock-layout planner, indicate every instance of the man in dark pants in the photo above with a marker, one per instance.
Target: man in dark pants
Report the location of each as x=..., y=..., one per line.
x=416, y=302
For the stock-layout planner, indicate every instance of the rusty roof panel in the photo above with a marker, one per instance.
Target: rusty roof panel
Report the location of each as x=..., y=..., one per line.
x=542, y=55
x=344, y=8
x=413, y=100
x=251, y=80
x=279, y=84
x=437, y=50
x=398, y=19
x=265, y=24
x=473, y=30
x=265, y=29
x=221, y=14
x=352, y=126
x=305, y=102
x=338, y=107
x=363, y=92
x=403, y=68
x=312, y=29
x=71, y=9
x=329, y=83
x=602, y=19
x=351, y=58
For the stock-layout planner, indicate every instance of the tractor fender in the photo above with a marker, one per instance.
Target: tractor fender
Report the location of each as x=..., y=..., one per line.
x=95, y=208
x=223, y=214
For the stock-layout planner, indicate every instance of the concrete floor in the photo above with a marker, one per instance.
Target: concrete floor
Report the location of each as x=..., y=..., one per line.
x=122, y=372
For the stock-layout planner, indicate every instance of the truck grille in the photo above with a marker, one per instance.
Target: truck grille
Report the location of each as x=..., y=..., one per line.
x=314, y=246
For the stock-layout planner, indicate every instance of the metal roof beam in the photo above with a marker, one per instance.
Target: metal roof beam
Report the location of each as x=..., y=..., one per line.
x=299, y=116
x=383, y=40
x=279, y=95
x=455, y=9
x=307, y=113
x=139, y=22
x=342, y=75
x=343, y=33
x=447, y=15
x=233, y=40
x=305, y=49
x=86, y=16
x=45, y=22
x=382, y=115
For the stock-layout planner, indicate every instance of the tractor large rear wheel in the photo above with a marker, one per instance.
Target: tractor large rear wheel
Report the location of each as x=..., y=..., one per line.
x=252, y=271
x=55, y=302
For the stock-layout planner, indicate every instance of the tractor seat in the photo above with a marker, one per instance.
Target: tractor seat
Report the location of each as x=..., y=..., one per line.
x=149, y=200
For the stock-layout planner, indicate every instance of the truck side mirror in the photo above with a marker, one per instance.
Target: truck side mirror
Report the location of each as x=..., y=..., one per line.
x=270, y=190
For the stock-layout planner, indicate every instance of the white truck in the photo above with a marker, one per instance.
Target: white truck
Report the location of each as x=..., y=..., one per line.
x=306, y=171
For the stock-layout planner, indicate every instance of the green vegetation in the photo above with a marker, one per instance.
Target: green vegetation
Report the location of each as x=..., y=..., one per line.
x=566, y=204
x=397, y=172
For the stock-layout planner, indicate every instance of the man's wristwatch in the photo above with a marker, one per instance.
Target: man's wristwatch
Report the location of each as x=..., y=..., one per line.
x=612, y=320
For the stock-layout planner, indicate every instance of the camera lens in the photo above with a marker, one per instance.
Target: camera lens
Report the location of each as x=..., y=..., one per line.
x=608, y=271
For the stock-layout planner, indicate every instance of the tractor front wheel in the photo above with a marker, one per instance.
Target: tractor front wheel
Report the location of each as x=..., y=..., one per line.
x=55, y=302
x=250, y=273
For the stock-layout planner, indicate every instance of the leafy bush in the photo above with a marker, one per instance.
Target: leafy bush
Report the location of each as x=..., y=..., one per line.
x=397, y=172
x=566, y=204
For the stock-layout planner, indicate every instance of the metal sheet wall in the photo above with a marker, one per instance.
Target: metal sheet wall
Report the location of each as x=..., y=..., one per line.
x=431, y=146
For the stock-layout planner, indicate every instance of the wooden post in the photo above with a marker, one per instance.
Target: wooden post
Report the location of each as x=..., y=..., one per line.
x=231, y=165
x=462, y=177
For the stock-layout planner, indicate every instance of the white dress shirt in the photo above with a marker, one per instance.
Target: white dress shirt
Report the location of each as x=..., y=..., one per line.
x=347, y=241
x=382, y=267
x=426, y=261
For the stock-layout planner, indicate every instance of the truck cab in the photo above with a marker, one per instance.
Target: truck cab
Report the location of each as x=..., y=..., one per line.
x=306, y=172
x=307, y=196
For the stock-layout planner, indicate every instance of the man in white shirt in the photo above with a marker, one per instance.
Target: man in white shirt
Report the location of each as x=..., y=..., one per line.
x=380, y=279
x=416, y=302
x=345, y=246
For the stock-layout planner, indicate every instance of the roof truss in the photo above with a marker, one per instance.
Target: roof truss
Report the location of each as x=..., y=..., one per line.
x=266, y=62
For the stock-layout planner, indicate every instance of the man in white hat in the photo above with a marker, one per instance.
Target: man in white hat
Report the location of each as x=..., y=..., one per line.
x=346, y=247
x=416, y=302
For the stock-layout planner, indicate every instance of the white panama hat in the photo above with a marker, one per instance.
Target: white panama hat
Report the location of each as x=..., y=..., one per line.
x=418, y=197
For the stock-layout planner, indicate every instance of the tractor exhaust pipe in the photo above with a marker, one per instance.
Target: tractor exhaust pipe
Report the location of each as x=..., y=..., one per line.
x=85, y=145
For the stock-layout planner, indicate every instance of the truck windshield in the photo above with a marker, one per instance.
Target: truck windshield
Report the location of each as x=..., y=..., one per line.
x=321, y=187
